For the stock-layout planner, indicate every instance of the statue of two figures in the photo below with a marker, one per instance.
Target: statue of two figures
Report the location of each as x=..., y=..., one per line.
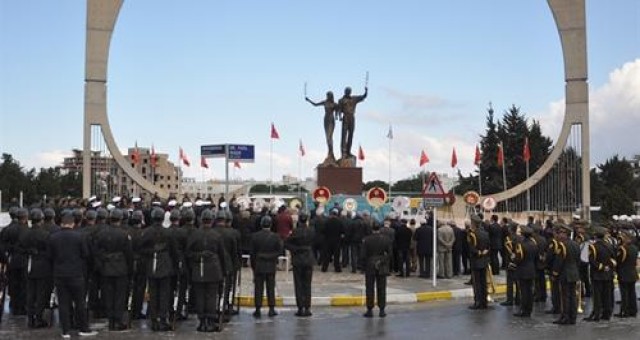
x=344, y=110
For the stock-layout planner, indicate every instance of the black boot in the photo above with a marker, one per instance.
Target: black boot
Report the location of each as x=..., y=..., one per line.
x=300, y=312
x=307, y=312
x=202, y=325
x=111, y=324
x=163, y=325
x=155, y=325
x=40, y=323
x=257, y=314
x=272, y=312
x=368, y=313
x=31, y=321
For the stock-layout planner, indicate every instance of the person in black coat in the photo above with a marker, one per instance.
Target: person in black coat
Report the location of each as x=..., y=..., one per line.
x=403, y=245
x=565, y=269
x=526, y=254
x=376, y=255
x=17, y=260
x=457, y=250
x=139, y=274
x=159, y=250
x=299, y=244
x=333, y=235
x=266, y=247
x=497, y=239
x=627, y=276
x=424, y=248
x=359, y=230
x=114, y=261
x=69, y=253
x=36, y=245
x=207, y=260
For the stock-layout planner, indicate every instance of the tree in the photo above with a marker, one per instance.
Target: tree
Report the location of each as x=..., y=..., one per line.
x=376, y=183
x=410, y=184
x=613, y=187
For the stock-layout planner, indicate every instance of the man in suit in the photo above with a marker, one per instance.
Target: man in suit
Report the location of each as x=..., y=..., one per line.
x=479, y=246
x=403, y=245
x=375, y=255
x=333, y=235
x=299, y=244
x=446, y=238
x=266, y=246
x=424, y=248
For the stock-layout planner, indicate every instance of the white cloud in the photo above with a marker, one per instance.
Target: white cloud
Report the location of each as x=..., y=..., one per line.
x=46, y=159
x=614, y=110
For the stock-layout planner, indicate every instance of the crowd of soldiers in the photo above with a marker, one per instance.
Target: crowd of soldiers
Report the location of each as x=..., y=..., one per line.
x=578, y=260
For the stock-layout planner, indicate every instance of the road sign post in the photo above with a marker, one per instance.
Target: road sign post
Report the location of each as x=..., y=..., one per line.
x=241, y=153
x=434, y=196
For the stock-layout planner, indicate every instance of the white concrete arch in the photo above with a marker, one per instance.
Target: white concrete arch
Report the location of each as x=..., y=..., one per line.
x=570, y=19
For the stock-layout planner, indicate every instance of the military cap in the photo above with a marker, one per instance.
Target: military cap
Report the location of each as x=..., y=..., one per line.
x=526, y=231
x=599, y=231
x=77, y=213
x=49, y=213
x=22, y=213
x=206, y=215
x=476, y=219
x=221, y=215
x=266, y=222
x=136, y=200
x=187, y=204
x=13, y=212
x=91, y=215
x=188, y=214
x=175, y=215
x=137, y=216
x=66, y=217
x=116, y=215
x=36, y=214
x=172, y=203
x=562, y=228
x=157, y=214
x=102, y=214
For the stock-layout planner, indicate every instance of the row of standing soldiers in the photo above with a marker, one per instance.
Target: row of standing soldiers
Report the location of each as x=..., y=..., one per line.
x=575, y=265
x=127, y=254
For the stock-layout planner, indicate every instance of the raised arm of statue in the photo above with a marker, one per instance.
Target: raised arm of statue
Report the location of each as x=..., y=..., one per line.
x=314, y=104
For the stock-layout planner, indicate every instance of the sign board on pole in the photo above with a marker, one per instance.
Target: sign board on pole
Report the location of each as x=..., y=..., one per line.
x=433, y=192
x=241, y=153
x=213, y=151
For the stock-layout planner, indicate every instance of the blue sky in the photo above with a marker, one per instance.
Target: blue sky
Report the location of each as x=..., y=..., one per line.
x=187, y=73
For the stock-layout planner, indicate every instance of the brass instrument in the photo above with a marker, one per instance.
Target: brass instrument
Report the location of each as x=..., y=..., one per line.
x=579, y=297
x=491, y=288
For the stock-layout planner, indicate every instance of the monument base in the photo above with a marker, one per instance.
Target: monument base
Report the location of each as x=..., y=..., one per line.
x=347, y=181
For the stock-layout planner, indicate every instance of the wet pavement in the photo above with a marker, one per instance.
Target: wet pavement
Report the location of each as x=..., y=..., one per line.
x=434, y=320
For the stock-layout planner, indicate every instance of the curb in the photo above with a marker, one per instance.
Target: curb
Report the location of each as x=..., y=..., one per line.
x=359, y=300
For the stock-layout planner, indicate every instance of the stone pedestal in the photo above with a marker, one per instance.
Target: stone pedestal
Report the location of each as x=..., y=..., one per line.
x=347, y=181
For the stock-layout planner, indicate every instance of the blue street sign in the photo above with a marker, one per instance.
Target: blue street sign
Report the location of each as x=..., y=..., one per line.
x=213, y=151
x=241, y=153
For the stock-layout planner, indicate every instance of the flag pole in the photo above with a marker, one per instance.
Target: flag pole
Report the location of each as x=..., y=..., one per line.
x=528, y=190
x=271, y=167
x=390, y=136
x=299, y=171
x=504, y=175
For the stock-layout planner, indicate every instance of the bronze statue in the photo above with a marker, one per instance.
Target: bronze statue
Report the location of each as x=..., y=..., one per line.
x=347, y=108
x=330, y=115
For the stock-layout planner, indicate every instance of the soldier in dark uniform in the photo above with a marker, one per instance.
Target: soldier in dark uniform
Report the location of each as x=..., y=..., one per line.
x=375, y=255
x=565, y=271
x=525, y=257
x=36, y=245
x=479, y=244
x=184, y=273
x=179, y=241
x=602, y=265
x=266, y=246
x=627, y=276
x=157, y=245
x=496, y=239
x=94, y=278
x=68, y=253
x=232, y=239
x=17, y=263
x=511, y=240
x=299, y=244
x=581, y=237
x=540, y=280
x=114, y=261
x=207, y=259
x=139, y=274
x=49, y=220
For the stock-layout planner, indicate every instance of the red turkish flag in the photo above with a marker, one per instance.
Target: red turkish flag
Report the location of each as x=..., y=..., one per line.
x=203, y=162
x=154, y=157
x=526, y=153
x=478, y=159
x=237, y=164
x=184, y=158
x=454, y=158
x=274, y=132
x=424, y=159
x=360, y=153
x=500, y=156
x=135, y=156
